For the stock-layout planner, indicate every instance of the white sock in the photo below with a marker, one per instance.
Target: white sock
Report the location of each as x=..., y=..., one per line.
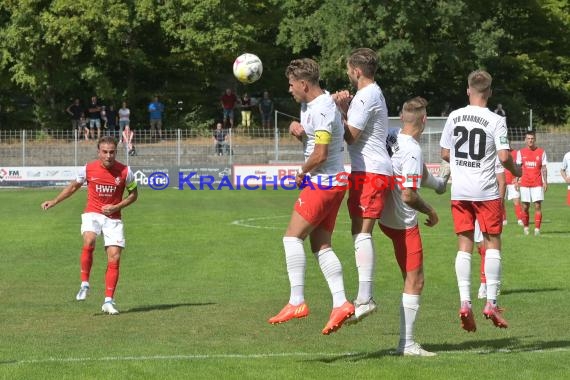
x=296, y=264
x=493, y=273
x=408, y=312
x=84, y=283
x=108, y=299
x=463, y=273
x=365, y=257
x=332, y=269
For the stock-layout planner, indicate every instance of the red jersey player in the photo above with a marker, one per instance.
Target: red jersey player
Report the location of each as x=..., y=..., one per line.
x=107, y=180
x=532, y=183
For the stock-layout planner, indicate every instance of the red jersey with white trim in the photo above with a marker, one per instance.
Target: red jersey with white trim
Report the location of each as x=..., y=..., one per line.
x=105, y=186
x=509, y=177
x=532, y=162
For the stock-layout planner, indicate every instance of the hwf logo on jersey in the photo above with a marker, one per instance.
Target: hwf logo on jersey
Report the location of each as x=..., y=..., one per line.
x=105, y=189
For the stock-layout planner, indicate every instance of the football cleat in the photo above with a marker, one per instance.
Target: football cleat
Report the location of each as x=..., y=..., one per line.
x=289, y=312
x=82, y=293
x=482, y=294
x=109, y=308
x=520, y=223
x=493, y=312
x=414, y=350
x=362, y=310
x=525, y=230
x=537, y=232
x=338, y=316
x=467, y=319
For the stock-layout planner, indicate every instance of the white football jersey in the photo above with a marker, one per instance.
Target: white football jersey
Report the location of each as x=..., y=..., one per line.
x=368, y=113
x=473, y=136
x=321, y=114
x=407, y=164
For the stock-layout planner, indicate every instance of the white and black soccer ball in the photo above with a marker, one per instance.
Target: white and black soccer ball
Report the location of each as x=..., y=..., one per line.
x=248, y=68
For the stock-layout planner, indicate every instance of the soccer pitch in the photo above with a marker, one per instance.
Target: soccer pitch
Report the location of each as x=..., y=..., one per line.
x=204, y=270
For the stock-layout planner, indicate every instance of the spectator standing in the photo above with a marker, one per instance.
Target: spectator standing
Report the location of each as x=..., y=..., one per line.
x=112, y=121
x=246, y=106
x=124, y=118
x=94, y=115
x=75, y=111
x=156, y=110
x=500, y=110
x=228, y=102
x=266, y=110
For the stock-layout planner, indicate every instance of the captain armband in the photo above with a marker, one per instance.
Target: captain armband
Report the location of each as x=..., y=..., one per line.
x=323, y=137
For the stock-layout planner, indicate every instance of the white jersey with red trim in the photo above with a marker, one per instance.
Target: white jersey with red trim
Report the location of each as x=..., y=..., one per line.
x=473, y=136
x=407, y=164
x=322, y=114
x=368, y=113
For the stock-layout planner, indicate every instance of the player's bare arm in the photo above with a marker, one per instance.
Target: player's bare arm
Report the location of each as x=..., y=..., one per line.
x=129, y=199
x=68, y=191
x=445, y=154
x=502, y=182
x=544, y=171
x=316, y=159
x=414, y=200
x=564, y=176
x=508, y=163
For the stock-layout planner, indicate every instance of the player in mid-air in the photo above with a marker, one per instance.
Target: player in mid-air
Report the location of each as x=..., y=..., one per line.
x=472, y=139
x=365, y=131
x=533, y=183
x=315, y=211
x=107, y=180
x=399, y=221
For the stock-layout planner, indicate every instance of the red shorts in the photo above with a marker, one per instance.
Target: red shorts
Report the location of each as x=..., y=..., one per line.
x=367, y=194
x=407, y=247
x=488, y=213
x=319, y=206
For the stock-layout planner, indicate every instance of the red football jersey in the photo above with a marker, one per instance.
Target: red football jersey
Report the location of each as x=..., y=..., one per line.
x=532, y=162
x=105, y=186
x=508, y=176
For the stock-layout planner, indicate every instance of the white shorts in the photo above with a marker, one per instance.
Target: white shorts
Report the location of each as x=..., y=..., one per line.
x=512, y=192
x=477, y=234
x=112, y=228
x=532, y=194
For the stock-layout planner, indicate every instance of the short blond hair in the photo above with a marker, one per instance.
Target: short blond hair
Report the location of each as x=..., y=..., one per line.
x=480, y=81
x=414, y=110
x=303, y=69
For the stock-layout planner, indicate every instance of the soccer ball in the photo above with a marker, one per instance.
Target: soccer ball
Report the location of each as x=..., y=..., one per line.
x=248, y=68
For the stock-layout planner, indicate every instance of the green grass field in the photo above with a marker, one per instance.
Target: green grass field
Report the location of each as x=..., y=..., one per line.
x=203, y=270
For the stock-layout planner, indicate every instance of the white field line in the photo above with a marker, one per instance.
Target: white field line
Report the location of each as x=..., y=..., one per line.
x=346, y=355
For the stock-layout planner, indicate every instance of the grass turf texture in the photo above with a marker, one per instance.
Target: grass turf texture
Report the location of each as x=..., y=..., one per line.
x=197, y=287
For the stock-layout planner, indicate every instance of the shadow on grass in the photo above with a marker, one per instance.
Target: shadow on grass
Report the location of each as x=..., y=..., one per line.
x=147, y=308
x=484, y=347
x=143, y=309
x=529, y=290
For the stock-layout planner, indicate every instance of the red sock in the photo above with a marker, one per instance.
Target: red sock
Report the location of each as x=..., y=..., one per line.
x=518, y=211
x=525, y=218
x=482, y=252
x=568, y=198
x=537, y=219
x=111, y=278
x=86, y=262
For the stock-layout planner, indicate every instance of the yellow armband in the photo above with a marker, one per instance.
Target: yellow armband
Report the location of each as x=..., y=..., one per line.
x=323, y=137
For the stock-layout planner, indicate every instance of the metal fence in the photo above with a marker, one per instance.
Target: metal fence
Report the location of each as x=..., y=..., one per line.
x=180, y=147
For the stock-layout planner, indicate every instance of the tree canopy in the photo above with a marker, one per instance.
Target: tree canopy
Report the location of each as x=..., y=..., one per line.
x=54, y=50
